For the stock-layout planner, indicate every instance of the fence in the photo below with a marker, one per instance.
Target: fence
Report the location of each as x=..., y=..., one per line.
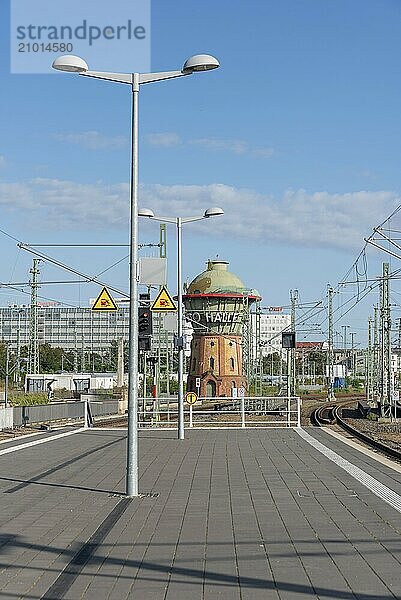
x=274, y=411
x=60, y=411
x=263, y=411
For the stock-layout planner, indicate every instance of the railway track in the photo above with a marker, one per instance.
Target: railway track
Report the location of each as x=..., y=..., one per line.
x=330, y=414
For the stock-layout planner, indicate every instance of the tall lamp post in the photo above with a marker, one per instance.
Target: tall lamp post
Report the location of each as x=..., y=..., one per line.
x=75, y=64
x=179, y=221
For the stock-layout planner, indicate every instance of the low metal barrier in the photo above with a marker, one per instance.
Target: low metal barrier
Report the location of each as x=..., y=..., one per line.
x=61, y=411
x=263, y=411
x=274, y=411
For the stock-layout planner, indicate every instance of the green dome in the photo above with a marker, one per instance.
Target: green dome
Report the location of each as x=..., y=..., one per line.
x=217, y=280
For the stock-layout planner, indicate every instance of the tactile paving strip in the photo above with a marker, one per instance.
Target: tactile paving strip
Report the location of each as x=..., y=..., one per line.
x=382, y=491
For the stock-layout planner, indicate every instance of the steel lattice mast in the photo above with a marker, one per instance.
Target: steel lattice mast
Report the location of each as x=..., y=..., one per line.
x=292, y=370
x=330, y=353
x=33, y=355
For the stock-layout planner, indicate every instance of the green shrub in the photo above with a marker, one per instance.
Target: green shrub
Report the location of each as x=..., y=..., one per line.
x=29, y=399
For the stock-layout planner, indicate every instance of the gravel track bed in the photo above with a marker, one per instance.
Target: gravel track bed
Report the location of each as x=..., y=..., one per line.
x=387, y=433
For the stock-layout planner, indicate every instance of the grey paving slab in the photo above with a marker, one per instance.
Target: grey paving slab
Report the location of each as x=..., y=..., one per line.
x=236, y=514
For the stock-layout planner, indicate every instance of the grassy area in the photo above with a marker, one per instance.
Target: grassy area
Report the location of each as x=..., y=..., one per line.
x=28, y=399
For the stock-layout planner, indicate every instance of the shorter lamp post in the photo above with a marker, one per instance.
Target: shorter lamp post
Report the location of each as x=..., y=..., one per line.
x=179, y=221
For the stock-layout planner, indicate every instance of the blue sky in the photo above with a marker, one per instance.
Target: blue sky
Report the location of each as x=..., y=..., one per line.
x=297, y=136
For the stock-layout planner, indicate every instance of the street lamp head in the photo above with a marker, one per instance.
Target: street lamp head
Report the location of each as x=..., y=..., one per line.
x=200, y=62
x=213, y=212
x=70, y=63
x=146, y=212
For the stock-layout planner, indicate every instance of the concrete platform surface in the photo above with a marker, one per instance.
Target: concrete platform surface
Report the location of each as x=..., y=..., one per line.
x=225, y=514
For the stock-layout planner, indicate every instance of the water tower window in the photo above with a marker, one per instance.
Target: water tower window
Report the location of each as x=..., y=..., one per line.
x=212, y=343
x=232, y=364
x=211, y=362
x=230, y=344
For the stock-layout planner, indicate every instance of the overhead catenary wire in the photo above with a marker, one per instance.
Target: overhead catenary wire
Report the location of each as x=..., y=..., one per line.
x=22, y=291
x=88, y=278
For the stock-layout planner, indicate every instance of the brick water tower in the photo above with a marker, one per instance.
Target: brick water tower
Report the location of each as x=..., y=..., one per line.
x=217, y=305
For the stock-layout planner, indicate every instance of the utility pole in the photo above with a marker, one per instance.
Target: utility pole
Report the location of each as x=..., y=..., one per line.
x=345, y=337
x=399, y=334
x=344, y=328
x=7, y=371
x=120, y=363
x=162, y=346
x=353, y=334
x=256, y=340
x=76, y=360
x=247, y=339
x=17, y=370
x=398, y=357
x=385, y=315
x=375, y=370
x=33, y=360
x=330, y=353
x=292, y=352
x=369, y=369
x=83, y=365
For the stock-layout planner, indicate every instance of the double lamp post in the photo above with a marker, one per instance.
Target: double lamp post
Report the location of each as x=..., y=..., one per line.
x=179, y=221
x=75, y=64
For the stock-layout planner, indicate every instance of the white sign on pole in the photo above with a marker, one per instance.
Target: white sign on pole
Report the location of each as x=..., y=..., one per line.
x=338, y=371
x=234, y=392
x=197, y=382
x=170, y=322
x=241, y=392
x=153, y=271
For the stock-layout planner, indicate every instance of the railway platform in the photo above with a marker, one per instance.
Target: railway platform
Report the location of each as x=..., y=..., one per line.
x=283, y=514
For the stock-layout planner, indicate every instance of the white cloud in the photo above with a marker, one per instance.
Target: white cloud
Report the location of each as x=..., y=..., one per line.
x=234, y=146
x=169, y=139
x=67, y=204
x=318, y=219
x=367, y=173
x=163, y=140
x=93, y=140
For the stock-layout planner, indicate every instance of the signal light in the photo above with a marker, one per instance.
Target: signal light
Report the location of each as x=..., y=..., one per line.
x=288, y=340
x=144, y=321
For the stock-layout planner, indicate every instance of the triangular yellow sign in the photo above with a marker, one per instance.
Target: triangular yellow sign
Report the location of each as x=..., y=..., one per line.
x=104, y=301
x=163, y=302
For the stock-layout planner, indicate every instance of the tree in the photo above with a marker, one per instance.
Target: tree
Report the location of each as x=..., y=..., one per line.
x=320, y=360
x=50, y=358
x=3, y=354
x=271, y=364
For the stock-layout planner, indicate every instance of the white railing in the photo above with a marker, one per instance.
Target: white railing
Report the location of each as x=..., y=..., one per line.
x=274, y=411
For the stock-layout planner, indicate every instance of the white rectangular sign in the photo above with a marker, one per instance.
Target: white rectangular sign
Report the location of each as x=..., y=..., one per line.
x=153, y=271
